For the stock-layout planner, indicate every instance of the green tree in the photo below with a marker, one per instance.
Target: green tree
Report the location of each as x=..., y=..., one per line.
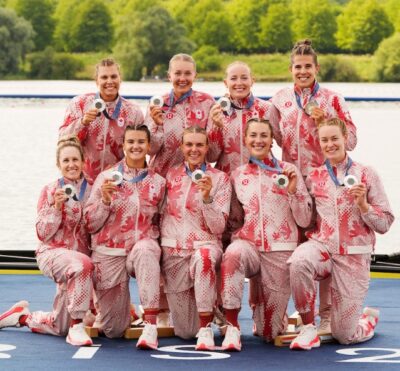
x=40, y=14
x=387, y=59
x=362, y=26
x=65, y=14
x=16, y=39
x=215, y=30
x=147, y=39
x=275, y=34
x=245, y=15
x=315, y=20
x=392, y=9
x=92, y=29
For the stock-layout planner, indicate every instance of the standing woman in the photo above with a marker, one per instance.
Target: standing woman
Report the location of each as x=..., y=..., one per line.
x=300, y=109
x=122, y=220
x=100, y=129
x=271, y=214
x=232, y=120
x=351, y=206
x=194, y=217
x=63, y=252
x=181, y=108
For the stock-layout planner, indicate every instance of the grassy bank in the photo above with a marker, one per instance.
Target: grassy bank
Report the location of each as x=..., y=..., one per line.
x=265, y=67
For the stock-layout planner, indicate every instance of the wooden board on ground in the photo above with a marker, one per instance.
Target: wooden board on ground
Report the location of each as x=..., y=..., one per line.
x=135, y=332
x=93, y=332
x=295, y=319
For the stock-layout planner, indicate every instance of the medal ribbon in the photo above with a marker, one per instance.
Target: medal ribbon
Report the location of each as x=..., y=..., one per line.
x=117, y=110
x=189, y=172
x=264, y=166
x=332, y=174
x=135, y=179
x=81, y=192
x=313, y=92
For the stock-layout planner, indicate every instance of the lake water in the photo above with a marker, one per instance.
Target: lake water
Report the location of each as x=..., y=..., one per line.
x=29, y=130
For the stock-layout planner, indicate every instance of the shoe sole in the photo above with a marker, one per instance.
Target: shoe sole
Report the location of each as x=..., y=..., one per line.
x=203, y=347
x=18, y=308
x=232, y=348
x=145, y=345
x=313, y=344
x=87, y=343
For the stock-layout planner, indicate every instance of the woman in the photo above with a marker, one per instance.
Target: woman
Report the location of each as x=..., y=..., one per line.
x=194, y=217
x=63, y=252
x=122, y=221
x=100, y=130
x=300, y=109
x=182, y=107
x=341, y=245
x=271, y=214
x=232, y=120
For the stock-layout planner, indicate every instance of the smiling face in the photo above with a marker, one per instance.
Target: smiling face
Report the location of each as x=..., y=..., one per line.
x=333, y=143
x=194, y=148
x=304, y=70
x=70, y=163
x=182, y=75
x=108, y=81
x=136, y=146
x=258, y=139
x=238, y=80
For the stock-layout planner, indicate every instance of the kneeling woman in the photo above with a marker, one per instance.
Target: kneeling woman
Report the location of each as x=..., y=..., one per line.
x=274, y=201
x=351, y=206
x=121, y=215
x=194, y=217
x=63, y=252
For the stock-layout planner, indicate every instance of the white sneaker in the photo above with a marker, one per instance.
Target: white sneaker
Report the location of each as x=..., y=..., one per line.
x=232, y=339
x=369, y=320
x=163, y=319
x=205, y=339
x=11, y=317
x=307, y=339
x=324, y=327
x=78, y=336
x=148, y=339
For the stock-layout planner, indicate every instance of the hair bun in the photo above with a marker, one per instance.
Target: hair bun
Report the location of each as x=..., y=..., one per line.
x=72, y=138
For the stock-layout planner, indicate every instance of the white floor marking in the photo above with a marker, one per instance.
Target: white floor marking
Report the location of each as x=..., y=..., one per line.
x=86, y=352
x=6, y=348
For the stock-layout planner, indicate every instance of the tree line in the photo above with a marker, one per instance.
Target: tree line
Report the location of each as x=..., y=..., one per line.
x=144, y=34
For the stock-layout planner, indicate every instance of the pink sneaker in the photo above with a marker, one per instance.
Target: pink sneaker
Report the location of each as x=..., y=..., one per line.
x=307, y=339
x=12, y=316
x=232, y=339
x=205, y=339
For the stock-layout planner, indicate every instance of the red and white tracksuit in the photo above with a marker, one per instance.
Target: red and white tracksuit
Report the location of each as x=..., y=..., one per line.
x=124, y=243
x=167, y=138
x=262, y=246
x=102, y=139
x=340, y=247
x=191, y=243
x=233, y=151
x=297, y=133
x=63, y=255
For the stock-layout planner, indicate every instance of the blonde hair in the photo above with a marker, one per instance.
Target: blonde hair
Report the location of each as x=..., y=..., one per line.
x=68, y=141
x=303, y=47
x=195, y=130
x=335, y=122
x=106, y=62
x=181, y=57
x=237, y=63
x=260, y=121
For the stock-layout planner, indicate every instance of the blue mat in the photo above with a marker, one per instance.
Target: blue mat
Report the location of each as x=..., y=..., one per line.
x=20, y=349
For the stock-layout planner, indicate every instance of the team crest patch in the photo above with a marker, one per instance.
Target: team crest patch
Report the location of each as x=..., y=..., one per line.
x=169, y=115
x=288, y=104
x=245, y=181
x=199, y=114
x=120, y=122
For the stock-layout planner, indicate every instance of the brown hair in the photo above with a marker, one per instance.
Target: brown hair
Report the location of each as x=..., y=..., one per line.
x=195, y=130
x=303, y=47
x=106, y=62
x=335, y=122
x=140, y=127
x=68, y=141
x=261, y=121
x=181, y=57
